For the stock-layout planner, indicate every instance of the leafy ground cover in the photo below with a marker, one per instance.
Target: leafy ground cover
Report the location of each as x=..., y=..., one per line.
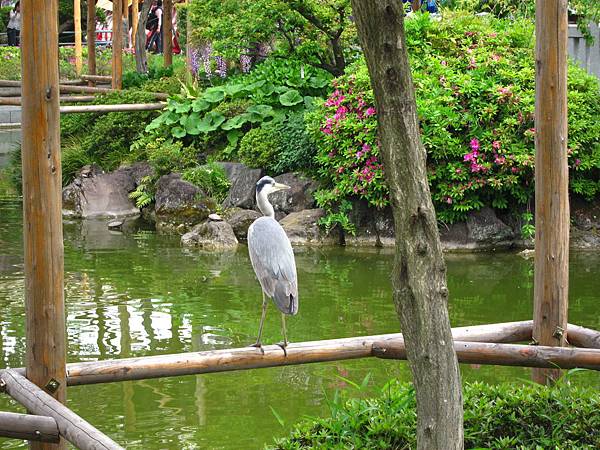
x=502, y=416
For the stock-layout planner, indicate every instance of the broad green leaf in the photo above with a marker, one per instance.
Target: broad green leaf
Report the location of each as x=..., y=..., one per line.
x=210, y=122
x=236, y=122
x=214, y=95
x=182, y=107
x=308, y=101
x=178, y=132
x=233, y=137
x=318, y=82
x=200, y=104
x=261, y=110
x=191, y=124
x=290, y=98
x=233, y=89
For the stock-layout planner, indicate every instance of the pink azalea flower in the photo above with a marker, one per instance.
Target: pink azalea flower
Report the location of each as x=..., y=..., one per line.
x=496, y=145
x=474, y=144
x=449, y=200
x=370, y=111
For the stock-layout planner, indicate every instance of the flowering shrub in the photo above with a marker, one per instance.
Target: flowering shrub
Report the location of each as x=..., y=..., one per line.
x=475, y=87
x=348, y=155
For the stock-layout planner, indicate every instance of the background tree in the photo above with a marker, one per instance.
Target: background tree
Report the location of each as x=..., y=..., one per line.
x=316, y=31
x=419, y=277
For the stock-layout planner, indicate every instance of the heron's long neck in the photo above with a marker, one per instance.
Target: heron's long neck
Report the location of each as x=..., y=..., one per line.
x=264, y=205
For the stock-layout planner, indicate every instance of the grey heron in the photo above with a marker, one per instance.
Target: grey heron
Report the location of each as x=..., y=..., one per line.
x=272, y=258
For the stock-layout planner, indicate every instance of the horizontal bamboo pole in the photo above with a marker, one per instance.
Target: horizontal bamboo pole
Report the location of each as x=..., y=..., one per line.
x=505, y=354
x=97, y=78
x=64, y=89
x=10, y=126
x=28, y=427
x=112, y=108
x=250, y=358
x=16, y=101
x=583, y=337
x=72, y=427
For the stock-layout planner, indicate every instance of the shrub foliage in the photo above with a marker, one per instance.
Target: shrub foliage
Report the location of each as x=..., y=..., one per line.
x=475, y=86
x=503, y=416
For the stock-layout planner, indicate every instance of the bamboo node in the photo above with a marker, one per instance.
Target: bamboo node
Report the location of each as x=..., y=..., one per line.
x=52, y=385
x=534, y=341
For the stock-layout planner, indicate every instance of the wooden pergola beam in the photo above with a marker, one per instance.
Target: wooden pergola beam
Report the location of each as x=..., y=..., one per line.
x=249, y=358
x=28, y=427
x=506, y=354
x=72, y=427
x=551, y=279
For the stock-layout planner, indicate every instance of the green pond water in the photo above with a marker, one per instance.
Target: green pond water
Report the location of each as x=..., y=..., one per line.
x=139, y=293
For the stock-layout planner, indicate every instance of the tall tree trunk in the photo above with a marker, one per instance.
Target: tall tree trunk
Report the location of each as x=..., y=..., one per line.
x=141, y=60
x=419, y=278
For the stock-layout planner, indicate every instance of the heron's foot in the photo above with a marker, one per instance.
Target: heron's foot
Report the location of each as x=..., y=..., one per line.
x=283, y=346
x=259, y=346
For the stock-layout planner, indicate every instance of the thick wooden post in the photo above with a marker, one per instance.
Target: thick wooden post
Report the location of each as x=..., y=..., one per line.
x=78, y=50
x=117, y=45
x=42, y=202
x=168, y=32
x=135, y=12
x=91, y=39
x=551, y=180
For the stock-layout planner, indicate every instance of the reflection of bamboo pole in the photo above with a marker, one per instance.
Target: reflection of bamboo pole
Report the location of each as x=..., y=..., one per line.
x=77, y=20
x=91, y=38
x=135, y=12
x=128, y=404
x=188, y=41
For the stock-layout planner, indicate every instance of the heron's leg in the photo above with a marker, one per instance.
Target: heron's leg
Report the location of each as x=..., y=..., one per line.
x=262, y=321
x=283, y=344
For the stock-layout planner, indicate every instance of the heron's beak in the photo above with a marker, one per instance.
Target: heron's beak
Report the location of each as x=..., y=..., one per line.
x=279, y=187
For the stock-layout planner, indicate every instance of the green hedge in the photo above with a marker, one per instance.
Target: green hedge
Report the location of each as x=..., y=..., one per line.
x=503, y=416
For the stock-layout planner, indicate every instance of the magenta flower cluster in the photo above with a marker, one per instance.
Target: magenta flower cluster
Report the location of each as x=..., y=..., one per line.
x=348, y=134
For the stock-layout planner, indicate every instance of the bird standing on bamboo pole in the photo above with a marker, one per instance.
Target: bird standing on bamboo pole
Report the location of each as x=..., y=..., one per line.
x=273, y=260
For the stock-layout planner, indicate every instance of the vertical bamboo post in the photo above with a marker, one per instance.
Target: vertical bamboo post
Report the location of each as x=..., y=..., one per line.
x=135, y=12
x=117, y=45
x=78, y=51
x=126, y=22
x=188, y=41
x=42, y=217
x=168, y=32
x=91, y=38
x=551, y=181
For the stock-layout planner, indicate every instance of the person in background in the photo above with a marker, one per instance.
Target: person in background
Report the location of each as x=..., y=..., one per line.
x=154, y=25
x=13, y=29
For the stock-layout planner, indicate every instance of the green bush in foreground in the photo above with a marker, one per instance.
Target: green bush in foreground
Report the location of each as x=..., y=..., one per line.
x=503, y=416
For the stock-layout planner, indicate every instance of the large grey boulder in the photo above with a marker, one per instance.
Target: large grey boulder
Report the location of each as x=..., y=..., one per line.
x=243, y=185
x=298, y=198
x=302, y=228
x=211, y=236
x=94, y=194
x=374, y=227
x=179, y=205
x=483, y=230
x=240, y=220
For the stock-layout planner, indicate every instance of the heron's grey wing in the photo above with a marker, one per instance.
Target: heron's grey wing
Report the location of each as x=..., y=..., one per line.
x=273, y=261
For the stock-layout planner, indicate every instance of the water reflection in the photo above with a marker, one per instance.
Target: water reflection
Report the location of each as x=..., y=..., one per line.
x=136, y=293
